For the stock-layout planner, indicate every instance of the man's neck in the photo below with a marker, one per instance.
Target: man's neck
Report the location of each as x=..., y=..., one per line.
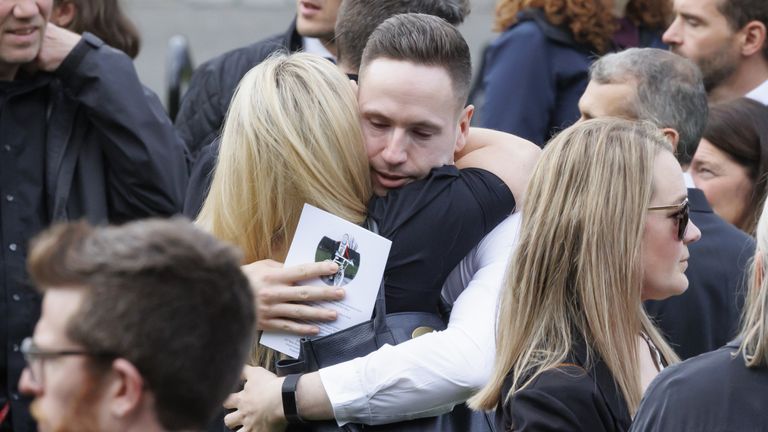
x=750, y=74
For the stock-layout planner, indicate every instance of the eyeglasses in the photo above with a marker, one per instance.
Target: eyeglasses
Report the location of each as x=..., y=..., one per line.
x=34, y=356
x=682, y=216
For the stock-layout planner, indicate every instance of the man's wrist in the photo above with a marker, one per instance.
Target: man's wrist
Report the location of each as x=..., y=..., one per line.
x=290, y=399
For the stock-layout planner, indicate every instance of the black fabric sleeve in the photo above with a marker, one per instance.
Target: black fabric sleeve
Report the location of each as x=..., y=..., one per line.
x=200, y=114
x=147, y=171
x=433, y=223
x=200, y=180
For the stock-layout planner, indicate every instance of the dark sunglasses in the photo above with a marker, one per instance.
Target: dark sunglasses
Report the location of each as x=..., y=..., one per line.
x=682, y=216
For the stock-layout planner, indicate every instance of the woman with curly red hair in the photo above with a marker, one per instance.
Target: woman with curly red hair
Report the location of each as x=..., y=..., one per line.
x=537, y=69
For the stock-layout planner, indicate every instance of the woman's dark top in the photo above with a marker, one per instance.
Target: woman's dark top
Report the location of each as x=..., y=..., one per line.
x=433, y=224
x=715, y=391
x=576, y=396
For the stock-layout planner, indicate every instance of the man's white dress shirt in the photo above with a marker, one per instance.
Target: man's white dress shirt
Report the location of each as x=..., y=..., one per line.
x=428, y=375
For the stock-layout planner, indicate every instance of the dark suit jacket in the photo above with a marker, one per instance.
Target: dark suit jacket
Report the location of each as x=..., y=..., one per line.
x=706, y=316
x=712, y=392
x=577, y=396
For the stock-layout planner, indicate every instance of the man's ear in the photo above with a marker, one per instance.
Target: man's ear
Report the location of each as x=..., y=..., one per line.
x=465, y=118
x=753, y=38
x=126, y=389
x=672, y=137
x=64, y=14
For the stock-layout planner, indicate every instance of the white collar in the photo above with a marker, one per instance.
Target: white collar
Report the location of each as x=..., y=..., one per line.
x=760, y=93
x=314, y=46
x=688, y=180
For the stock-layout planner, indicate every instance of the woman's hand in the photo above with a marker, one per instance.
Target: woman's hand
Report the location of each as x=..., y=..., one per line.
x=281, y=303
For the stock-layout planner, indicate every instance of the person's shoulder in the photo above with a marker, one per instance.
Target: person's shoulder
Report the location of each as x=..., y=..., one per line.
x=238, y=61
x=571, y=385
x=522, y=32
x=691, y=377
x=245, y=57
x=563, y=398
x=533, y=26
x=690, y=382
x=712, y=391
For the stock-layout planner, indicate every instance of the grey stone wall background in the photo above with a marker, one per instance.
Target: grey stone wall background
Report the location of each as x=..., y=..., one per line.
x=216, y=26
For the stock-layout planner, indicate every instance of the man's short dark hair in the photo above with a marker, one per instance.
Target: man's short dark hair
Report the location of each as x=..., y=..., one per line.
x=670, y=92
x=163, y=295
x=423, y=40
x=357, y=19
x=740, y=12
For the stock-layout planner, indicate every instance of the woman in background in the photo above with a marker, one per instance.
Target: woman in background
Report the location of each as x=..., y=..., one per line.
x=537, y=69
x=104, y=18
x=731, y=163
x=575, y=349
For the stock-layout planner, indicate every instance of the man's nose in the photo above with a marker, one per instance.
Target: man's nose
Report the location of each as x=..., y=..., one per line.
x=27, y=385
x=25, y=9
x=395, y=150
x=672, y=35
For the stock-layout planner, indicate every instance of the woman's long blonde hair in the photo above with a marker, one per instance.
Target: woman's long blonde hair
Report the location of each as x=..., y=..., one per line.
x=754, y=328
x=291, y=136
x=577, y=272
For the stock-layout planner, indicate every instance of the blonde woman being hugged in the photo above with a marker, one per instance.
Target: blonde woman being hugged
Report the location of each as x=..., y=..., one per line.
x=605, y=227
x=283, y=146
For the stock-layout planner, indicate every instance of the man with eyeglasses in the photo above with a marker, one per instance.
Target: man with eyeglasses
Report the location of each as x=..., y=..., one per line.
x=667, y=90
x=144, y=327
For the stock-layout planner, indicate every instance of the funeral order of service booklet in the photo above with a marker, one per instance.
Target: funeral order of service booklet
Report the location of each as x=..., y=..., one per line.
x=361, y=256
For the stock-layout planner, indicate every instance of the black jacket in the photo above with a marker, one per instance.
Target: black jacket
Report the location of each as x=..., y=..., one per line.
x=712, y=392
x=579, y=395
x=213, y=84
x=111, y=155
x=706, y=316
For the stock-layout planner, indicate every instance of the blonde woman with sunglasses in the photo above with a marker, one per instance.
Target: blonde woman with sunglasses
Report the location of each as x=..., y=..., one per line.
x=605, y=227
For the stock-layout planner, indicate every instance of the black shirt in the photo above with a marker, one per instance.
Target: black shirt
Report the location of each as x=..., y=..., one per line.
x=433, y=223
x=23, y=214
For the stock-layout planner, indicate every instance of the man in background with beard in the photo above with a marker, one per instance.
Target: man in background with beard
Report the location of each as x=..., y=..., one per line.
x=727, y=40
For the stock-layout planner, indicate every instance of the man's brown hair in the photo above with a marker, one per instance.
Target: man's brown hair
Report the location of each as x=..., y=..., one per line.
x=163, y=295
x=357, y=19
x=423, y=40
x=740, y=12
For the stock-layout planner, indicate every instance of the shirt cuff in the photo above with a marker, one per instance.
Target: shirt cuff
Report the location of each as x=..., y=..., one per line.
x=344, y=386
